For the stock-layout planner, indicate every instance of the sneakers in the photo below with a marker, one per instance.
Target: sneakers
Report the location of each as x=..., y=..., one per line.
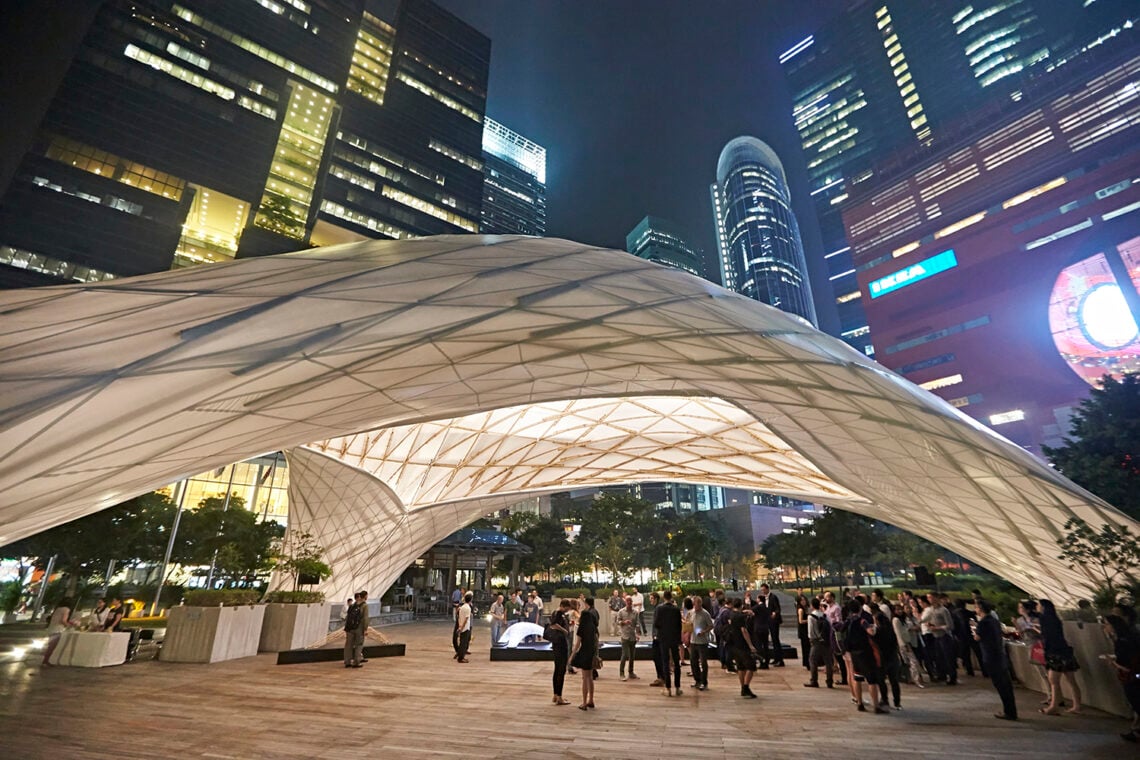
x=623, y=677
x=632, y=677
x=678, y=691
x=667, y=692
x=811, y=685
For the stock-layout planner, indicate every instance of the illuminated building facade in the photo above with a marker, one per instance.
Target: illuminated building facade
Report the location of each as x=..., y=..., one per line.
x=664, y=242
x=514, y=183
x=761, y=254
x=187, y=132
x=1002, y=272
x=884, y=77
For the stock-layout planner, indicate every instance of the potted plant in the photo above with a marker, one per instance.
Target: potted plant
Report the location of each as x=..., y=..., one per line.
x=214, y=625
x=295, y=619
x=10, y=595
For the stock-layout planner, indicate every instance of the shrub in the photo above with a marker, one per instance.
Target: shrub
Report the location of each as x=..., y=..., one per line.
x=295, y=597
x=225, y=597
x=571, y=593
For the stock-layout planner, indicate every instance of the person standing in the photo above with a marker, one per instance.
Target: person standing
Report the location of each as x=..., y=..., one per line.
x=639, y=607
x=628, y=632
x=803, y=610
x=890, y=665
x=616, y=604
x=743, y=649
x=1059, y=660
x=587, y=650
x=354, y=627
x=667, y=629
x=463, y=623
x=498, y=619
x=1125, y=659
x=560, y=644
x=819, y=639
x=720, y=629
x=699, y=645
x=941, y=626
x=655, y=645
x=772, y=604
x=858, y=640
x=987, y=634
x=833, y=611
x=906, y=631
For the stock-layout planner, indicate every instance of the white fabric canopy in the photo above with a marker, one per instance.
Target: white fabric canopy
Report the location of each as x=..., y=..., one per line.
x=417, y=384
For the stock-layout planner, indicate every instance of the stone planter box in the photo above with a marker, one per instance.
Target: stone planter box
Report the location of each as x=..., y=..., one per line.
x=293, y=626
x=212, y=634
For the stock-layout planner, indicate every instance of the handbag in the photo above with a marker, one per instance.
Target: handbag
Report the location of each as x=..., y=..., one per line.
x=1037, y=653
x=597, y=662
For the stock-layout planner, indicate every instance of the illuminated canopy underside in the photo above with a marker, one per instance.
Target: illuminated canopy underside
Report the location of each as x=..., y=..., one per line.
x=415, y=385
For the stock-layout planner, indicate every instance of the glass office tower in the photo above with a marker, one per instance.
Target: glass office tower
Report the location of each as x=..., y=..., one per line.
x=514, y=183
x=663, y=242
x=761, y=254
x=184, y=132
x=884, y=81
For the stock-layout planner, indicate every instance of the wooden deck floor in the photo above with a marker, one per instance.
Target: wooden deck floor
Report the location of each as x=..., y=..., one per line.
x=426, y=705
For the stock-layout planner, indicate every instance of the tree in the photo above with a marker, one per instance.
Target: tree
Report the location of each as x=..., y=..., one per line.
x=1113, y=553
x=299, y=554
x=1102, y=452
x=229, y=536
x=131, y=532
x=620, y=533
x=547, y=541
x=843, y=540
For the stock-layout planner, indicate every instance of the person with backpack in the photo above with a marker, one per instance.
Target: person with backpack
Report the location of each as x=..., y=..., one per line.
x=720, y=629
x=355, y=624
x=819, y=637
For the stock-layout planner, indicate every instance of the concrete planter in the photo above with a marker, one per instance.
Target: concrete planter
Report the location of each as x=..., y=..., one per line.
x=212, y=634
x=293, y=626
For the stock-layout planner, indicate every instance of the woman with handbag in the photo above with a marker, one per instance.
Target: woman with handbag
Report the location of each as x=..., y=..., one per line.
x=585, y=658
x=1059, y=660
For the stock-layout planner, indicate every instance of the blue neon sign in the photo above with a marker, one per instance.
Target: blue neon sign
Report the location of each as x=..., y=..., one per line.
x=909, y=275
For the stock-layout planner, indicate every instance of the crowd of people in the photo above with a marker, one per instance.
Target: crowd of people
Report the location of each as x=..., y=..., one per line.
x=863, y=642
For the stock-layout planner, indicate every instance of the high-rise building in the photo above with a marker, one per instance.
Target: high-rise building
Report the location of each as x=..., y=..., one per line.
x=1001, y=271
x=514, y=183
x=761, y=254
x=664, y=242
x=884, y=77
x=187, y=131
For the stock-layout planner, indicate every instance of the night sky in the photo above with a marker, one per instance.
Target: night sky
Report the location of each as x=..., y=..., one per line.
x=634, y=101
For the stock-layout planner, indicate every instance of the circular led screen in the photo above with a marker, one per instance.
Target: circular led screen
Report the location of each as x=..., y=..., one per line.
x=1094, y=329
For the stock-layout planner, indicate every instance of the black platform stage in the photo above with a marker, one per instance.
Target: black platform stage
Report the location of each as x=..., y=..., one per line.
x=609, y=651
x=332, y=654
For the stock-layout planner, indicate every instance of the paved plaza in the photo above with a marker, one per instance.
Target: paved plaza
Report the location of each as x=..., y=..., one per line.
x=426, y=705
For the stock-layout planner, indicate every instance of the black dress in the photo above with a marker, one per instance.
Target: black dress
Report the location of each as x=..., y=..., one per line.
x=588, y=634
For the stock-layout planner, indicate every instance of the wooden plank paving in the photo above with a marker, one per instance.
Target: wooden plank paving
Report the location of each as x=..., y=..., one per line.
x=426, y=705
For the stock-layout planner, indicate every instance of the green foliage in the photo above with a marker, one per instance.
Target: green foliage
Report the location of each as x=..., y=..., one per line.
x=299, y=554
x=131, y=532
x=226, y=597
x=10, y=593
x=241, y=543
x=295, y=597
x=621, y=533
x=1112, y=554
x=545, y=537
x=1103, y=450
x=572, y=593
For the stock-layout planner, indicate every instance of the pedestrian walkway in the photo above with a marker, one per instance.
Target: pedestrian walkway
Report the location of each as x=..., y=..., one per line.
x=427, y=705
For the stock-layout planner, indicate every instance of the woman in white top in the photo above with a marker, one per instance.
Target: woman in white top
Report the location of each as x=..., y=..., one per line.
x=905, y=631
x=100, y=615
x=60, y=622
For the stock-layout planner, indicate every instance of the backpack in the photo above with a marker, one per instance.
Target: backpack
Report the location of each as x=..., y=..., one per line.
x=824, y=626
x=352, y=618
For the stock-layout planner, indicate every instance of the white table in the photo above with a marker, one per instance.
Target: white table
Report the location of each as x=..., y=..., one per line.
x=91, y=649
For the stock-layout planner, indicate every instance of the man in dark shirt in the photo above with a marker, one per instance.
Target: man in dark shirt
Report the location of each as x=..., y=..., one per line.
x=992, y=646
x=667, y=629
x=743, y=650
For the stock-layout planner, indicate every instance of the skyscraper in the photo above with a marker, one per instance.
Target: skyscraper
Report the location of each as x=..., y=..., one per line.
x=189, y=132
x=884, y=77
x=662, y=241
x=761, y=254
x=514, y=183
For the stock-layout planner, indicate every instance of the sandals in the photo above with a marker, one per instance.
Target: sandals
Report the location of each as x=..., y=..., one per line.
x=561, y=701
x=582, y=707
x=1047, y=711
